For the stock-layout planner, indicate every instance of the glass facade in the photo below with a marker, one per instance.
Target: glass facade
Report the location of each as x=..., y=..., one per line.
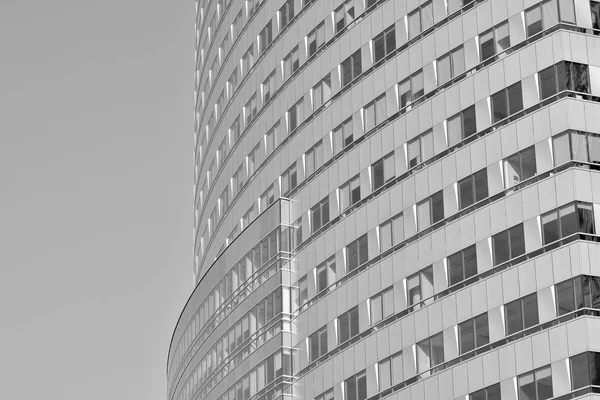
x=393, y=200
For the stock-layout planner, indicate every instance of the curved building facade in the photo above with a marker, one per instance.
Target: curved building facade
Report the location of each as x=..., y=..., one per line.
x=394, y=200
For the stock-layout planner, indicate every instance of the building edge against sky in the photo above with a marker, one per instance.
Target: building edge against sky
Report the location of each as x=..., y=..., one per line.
x=394, y=200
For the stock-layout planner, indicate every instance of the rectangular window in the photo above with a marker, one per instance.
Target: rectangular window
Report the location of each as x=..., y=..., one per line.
x=322, y=92
x=473, y=333
x=461, y=126
x=462, y=265
x=472, y=189
x=268, y=87
x=430, y=352
x=316, y=39
x=521, y=314
x=382, y=171
x=384, y=44
x=318, y=344
x=356, y=387
x=291, y=63
x=536, y=385
x=325, y=274
x=343, y=135
x=320, y=214
x=488, y=393
x=265, y=37
x=357, y=253
x=286, y=13
x=348, y=325
x=351, y=68
x=585, y=370
x=420, y=286
x=350, y=192
x=405, y=93
x=303, y=290
x=553, y=80
x=508, y=244
x=344, y=15
x=533, y=20
x=520, y=167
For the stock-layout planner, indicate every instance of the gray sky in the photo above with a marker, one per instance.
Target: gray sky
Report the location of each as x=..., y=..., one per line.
x=96, y=141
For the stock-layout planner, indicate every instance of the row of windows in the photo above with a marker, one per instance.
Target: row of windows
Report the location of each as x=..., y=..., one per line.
x=420, y=288
x=584, y=370
x=383, y=44
x=504, y=103
x=523, y=164
x=491, y=42
x=239, y=282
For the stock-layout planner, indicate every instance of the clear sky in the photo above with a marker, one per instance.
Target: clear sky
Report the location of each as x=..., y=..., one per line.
x=96, y=141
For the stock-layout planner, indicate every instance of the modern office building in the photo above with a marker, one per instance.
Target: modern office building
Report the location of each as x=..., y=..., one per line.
x=394, y=200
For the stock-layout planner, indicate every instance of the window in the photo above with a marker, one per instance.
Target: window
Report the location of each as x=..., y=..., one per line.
x=430, y=211
x=563, y=76
x=253, y=160
x=508, y=244
x=451, y=65
x=232, y=83
x=430, y=352
x=351, y=68
x=507, y=102
x=461, y=126
x=382, y=305
x=356, y=387
x=472, y=189
x=536, y=385
x=405, y=93
x=325, y=274
x=383, y=171
x=265, y=37
x=473, y=333
x=493, y=41
x=272, y=139
x=295, y=116
x=577, y=77
x=375, y=113
x=247, y=61
x=488, y=393
x=250, y=110
x=302, y=291
x=235, y=130
x=344, y=15
x=322, y=92
x=357, y=253
x=269, y=87
x=316, y=39
x=569, y=296
x=318, y=344
x=585, y=370
x=328, y=395
x=417, y=85
x=384, y=44
x=348, y=325
x=291, y=63
x=521, y=314
x=342, y=135
x=462, y=265
x=289, y=180
x=313, y=160
x=286, y=13
x=350, y=193
x=519, y=167
x=420, y=286
x=420, y=20
x=576, y=146
x=567, y=221
x=267, y=198
x=320, y=214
